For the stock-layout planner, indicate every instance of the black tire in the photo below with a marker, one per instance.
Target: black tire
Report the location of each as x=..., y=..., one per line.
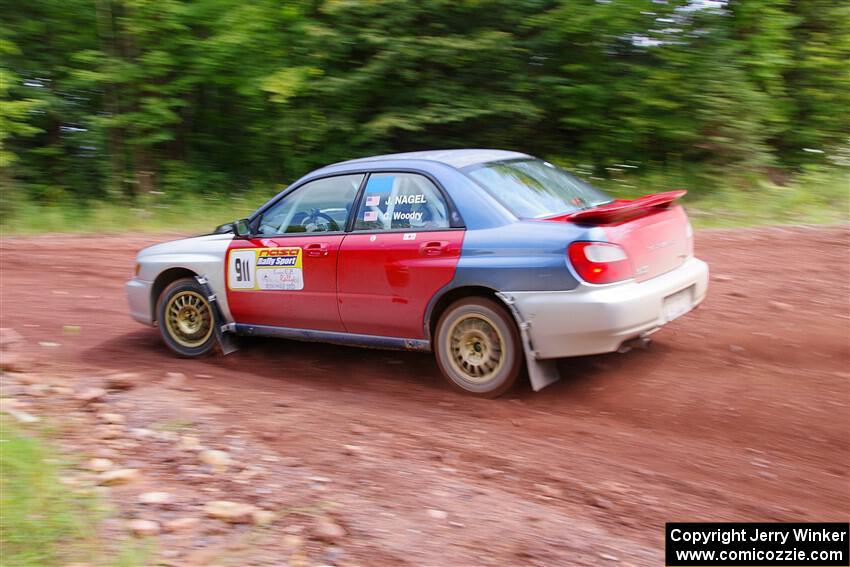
x=180, y=307
x=478, y=347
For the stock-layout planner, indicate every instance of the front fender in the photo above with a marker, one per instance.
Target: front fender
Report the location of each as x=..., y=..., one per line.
x=204, y=256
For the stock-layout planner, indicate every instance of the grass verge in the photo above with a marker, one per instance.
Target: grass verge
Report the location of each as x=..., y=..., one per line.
x=151, y=213
x=44, y=523
x=815, y=196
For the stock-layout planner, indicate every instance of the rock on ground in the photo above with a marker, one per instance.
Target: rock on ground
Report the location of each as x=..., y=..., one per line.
x=118, y=476
x=231, y=512
x=328, y=530
x=99, y=465
x=155, y=498
x=181, y=524
x=143, y=528
x=90, y=395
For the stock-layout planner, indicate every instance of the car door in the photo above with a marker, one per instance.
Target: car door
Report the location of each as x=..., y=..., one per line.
x=401, y=251
x=285, y=275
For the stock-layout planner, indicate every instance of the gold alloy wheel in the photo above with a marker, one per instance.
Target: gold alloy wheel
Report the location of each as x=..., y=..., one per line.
x=475, y=348
x=188, y=319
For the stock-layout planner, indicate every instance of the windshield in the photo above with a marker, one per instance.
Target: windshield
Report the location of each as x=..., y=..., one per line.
x=532, y=188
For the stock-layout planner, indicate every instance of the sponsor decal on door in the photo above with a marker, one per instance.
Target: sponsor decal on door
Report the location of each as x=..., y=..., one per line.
x=265, y=269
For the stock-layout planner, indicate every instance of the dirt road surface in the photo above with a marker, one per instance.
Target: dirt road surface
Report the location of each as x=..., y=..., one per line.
x=737, y=412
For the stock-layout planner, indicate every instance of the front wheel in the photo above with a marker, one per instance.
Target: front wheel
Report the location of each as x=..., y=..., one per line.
x=478, y=347
x=186, y=318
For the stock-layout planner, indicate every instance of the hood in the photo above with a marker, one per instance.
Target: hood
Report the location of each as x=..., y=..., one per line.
x=184, y=245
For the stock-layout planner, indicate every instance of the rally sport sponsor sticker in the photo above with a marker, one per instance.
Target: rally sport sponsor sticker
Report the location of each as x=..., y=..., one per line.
x=265, y=269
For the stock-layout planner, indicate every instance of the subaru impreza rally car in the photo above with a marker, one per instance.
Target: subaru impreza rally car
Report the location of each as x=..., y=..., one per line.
x=494, y=260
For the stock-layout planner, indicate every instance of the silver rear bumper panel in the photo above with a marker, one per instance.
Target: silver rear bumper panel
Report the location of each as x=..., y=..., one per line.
x=593, y=319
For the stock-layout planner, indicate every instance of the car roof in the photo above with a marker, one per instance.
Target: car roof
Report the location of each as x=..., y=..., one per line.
x=445, y=165
x=455, y=158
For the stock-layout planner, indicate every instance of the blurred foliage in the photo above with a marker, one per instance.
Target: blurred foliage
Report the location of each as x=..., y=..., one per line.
x=123, y=100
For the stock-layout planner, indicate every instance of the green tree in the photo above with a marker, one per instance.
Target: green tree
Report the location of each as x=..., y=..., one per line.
x=819, y=79
x=124, y=98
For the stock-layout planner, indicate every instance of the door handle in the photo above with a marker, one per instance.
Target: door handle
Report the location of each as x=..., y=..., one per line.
x=434, y=248
x=316, y=250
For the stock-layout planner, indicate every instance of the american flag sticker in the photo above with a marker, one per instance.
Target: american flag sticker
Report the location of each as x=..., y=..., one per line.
x=370, y=216
x=373, y=200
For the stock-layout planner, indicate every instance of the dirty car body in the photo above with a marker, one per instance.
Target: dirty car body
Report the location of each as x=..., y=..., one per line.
x=489, y=258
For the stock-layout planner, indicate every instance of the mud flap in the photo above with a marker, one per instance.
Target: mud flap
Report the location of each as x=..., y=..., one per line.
x=541, y=373
x=226, y=341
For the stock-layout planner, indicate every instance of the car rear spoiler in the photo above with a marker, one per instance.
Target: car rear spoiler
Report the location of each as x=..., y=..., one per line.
x=622, y=209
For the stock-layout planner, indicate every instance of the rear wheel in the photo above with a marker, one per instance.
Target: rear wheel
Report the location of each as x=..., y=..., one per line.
x=478, y=347
x=186, y=318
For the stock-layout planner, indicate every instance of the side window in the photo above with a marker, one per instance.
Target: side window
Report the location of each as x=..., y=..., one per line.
x=394, y=201
x=319, y=206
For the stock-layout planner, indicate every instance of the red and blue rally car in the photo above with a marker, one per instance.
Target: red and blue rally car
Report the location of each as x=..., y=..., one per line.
x=493, y=260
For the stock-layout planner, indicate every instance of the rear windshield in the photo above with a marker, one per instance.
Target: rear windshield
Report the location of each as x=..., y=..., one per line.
x=532, y=188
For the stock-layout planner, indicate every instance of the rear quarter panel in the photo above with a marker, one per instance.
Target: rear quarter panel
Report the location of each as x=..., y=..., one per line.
x=522, y=256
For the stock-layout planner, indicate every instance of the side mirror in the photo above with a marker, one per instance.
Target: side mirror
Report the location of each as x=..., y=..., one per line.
x=241, y=228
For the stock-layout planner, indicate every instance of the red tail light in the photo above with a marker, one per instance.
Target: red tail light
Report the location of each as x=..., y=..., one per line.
x=600, y=262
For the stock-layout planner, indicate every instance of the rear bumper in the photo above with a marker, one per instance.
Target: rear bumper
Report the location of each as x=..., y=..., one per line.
x=139, y=298
x=596, y=319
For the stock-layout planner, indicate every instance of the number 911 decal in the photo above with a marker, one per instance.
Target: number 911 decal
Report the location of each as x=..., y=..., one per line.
x=265, y=269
